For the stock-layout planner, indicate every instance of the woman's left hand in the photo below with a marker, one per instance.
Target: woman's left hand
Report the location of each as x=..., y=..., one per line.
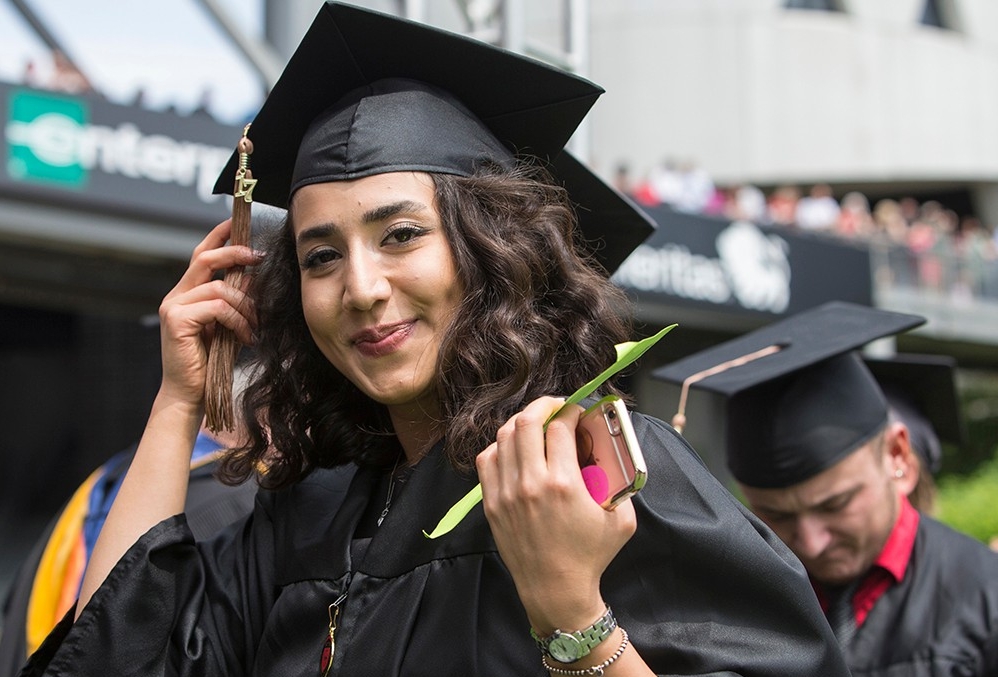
x=553, y=537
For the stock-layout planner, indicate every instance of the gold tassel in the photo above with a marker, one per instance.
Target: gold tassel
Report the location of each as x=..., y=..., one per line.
x=219, y=408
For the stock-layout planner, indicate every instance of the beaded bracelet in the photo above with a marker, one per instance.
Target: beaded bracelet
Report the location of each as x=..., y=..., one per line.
x=596, y=670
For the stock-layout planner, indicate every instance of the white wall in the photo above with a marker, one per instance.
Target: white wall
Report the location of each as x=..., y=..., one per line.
x=754, y=92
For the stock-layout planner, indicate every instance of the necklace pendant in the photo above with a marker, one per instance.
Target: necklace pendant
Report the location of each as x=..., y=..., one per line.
x=382, y=516
x=327, y=656
x=329, y=648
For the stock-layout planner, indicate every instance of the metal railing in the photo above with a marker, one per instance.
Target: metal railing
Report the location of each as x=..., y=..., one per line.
x=945, y=273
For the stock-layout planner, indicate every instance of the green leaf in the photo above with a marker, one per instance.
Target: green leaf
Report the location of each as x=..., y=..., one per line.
x=627, y=354
x=457, y=512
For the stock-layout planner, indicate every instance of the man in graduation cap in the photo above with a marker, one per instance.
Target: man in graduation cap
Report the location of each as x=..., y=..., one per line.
x=811, y=440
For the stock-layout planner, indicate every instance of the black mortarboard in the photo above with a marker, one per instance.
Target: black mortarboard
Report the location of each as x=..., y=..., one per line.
x=368, y=93
x=921, y=389
x=796, y=396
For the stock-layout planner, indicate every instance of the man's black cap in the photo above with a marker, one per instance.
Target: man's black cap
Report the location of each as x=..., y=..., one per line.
x=368, y=93
x=793, y=398
x=921, y=391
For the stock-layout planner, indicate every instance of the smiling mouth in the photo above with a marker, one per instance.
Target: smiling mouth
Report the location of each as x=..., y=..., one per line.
x=382, y=340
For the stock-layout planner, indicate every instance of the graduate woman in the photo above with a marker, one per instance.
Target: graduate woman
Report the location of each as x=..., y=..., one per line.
x=416, y=322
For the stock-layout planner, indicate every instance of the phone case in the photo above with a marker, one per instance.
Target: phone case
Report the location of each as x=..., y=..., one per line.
x=609, y=454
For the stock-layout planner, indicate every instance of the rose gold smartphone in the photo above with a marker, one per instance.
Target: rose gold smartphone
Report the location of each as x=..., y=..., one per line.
x=611, y=460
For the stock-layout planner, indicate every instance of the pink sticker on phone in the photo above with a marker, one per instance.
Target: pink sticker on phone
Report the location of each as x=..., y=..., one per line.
x=596, y=482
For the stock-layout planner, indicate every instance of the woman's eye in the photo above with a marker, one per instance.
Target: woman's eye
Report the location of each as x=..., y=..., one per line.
x=319, y=257
x=403, y=234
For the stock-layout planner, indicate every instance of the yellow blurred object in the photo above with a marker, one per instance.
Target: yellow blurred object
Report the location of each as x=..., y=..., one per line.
x=57, y=579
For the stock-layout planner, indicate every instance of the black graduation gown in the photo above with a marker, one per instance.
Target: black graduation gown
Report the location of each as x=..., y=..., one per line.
x=703, y=588
x=941, y=619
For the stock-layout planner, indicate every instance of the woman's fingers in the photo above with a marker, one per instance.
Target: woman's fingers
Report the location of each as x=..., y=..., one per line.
x=202, y=307
x=215, y=238
x=520, y=447
x=212, y=256
x=561, y=444
x=201, y=281
x=535, y=454
x=530, y=471
x=199, y=303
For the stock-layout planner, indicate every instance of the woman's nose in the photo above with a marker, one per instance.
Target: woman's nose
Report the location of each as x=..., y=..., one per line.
x=366, y=282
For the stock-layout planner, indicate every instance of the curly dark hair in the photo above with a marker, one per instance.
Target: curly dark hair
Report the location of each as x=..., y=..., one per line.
x=538, y=317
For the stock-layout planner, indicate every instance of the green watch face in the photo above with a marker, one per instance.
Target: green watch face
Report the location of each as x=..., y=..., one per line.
x=565, y=648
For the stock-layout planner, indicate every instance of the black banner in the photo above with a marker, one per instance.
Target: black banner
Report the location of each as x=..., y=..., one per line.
x=739, y=267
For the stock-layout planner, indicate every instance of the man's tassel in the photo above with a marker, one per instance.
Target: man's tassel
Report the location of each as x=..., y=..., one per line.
x=219, y=408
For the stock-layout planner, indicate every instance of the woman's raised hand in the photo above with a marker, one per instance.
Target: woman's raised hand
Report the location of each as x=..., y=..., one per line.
x=155, y=486
x=190, y=311
x=553, y=537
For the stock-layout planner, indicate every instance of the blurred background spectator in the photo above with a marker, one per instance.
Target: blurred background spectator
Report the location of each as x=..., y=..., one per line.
x=855, y=219
x=818, y=210
x=782, y=205
x=746, y=202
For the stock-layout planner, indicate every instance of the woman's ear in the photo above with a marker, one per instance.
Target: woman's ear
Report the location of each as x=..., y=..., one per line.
x=899, y=457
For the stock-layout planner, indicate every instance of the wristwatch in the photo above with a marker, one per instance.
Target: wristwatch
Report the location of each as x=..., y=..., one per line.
x=568, y=647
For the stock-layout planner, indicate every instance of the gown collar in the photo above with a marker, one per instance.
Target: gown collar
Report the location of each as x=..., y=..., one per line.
x=399, y=545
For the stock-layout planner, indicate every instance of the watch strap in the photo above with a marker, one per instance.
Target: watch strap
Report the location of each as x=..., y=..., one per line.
x=568, y=647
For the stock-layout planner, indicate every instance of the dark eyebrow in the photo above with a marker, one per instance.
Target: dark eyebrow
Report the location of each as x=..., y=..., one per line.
x=324, y=230
x=393, y=209
x=319, y=232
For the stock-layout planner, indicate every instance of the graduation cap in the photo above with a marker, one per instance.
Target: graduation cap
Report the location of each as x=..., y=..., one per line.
x=921, y=390
x=794, y=397
x=367, y=93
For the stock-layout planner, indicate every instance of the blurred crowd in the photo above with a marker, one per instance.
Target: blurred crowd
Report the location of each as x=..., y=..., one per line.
x=918, y=244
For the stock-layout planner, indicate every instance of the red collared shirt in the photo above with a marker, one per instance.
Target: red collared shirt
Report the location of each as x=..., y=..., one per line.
x=889, y=567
